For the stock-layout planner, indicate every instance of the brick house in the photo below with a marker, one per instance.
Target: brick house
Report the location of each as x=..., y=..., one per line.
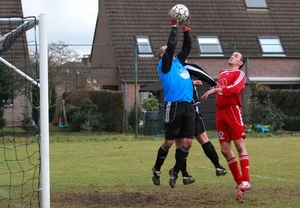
x=17, y=55
x=266, y=32
x=129, y=32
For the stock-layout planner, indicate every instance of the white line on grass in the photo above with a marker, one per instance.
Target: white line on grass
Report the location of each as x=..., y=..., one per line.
x=257, y=176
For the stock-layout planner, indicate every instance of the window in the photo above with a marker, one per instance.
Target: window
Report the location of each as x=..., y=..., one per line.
x=144, y=46
x=209, y=46
x=271, y=46
x=143, y=95
x=256, y=4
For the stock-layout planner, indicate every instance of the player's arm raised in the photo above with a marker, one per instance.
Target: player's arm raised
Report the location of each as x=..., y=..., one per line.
x=187, y=41
x=168, y=56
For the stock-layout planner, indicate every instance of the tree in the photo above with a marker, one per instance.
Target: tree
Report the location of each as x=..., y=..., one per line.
x=66, y=73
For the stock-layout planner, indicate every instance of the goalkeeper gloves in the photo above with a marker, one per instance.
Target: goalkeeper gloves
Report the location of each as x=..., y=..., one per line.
x=186, y=24
x=173, y=18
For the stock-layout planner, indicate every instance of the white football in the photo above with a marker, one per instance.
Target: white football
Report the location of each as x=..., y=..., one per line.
x=181, y=11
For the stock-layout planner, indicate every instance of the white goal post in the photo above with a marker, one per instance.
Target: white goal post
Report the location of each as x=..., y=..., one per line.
x=41, y=21
x=44, y=88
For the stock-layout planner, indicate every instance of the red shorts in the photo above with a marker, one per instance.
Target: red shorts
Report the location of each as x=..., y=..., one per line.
x=229, y=123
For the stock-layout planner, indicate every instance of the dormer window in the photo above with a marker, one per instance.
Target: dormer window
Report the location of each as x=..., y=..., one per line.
x=209, y=46
x=256, y=4
x=271, y=46
x=144, y=46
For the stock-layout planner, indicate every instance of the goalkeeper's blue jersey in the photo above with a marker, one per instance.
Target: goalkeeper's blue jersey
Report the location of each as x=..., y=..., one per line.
x=177, y=83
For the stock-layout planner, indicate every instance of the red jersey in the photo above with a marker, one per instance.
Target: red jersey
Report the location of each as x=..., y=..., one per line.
x=232, y=83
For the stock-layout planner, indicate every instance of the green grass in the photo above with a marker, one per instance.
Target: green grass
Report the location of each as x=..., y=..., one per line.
x=114, y=170
x=12, y=129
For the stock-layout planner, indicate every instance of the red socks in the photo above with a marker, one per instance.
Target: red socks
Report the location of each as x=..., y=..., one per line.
x=244, y=162
x=234, y=168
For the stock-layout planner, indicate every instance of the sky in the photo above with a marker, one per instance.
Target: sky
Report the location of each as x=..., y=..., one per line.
x=70, y=21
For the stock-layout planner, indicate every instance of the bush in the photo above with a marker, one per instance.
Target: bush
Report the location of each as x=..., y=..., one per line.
x=266, y=114
x=2, y=119
x=292, y=123
x=86, y=117
x=131, y=117
x=110, y=105
x=262, y=110
x=151, y=103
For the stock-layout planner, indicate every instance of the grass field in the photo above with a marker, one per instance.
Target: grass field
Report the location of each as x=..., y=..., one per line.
x=114, y=170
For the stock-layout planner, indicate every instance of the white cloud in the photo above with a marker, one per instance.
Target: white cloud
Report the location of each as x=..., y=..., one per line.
x=70, y=21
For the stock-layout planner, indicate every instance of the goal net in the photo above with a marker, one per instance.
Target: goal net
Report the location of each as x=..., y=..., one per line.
x=24, y=168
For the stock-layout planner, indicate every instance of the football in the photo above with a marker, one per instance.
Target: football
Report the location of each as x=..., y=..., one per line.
x=181, y=10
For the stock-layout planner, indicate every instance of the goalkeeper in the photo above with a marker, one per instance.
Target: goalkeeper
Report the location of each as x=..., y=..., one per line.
x=178, y=96
x=178, y=92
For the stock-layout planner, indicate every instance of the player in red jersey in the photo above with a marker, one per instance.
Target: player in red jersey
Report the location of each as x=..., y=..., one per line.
x=229, y=122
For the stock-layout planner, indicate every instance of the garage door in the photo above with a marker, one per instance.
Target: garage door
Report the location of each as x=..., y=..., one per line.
x=207, y=108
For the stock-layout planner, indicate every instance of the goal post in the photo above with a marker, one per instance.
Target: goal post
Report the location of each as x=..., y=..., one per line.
x=44, y=111
x=6, y=41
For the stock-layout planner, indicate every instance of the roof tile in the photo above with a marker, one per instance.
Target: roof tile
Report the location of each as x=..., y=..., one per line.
x=230, y=20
